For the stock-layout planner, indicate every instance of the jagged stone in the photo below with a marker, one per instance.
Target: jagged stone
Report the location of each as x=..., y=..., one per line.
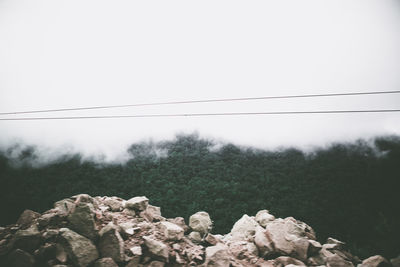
x=65, y=206
x=113, y=203
x=376, y=261
x=244, y=228
x=200, y=222
x=105, y=262
x=243, y=249
x=20, y=258
x=195, y=237
x=82, y=220
x=217, y=256
x=50, y=234
x=152, y=214
x=263, y=242
x=80, y=250
x=127, y=229
x=285, y=233
x=263, y=217
x=27, y=239
x=212, y=239
x=157, y=248
x=137, y=203
x=314, y=247
x=27, y=218
x=111, y=244
x=171, y=231
x=180, y=221
x=51, y=218
x=335, y=244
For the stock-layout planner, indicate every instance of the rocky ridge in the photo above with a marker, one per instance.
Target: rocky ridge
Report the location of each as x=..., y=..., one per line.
x=110, y=232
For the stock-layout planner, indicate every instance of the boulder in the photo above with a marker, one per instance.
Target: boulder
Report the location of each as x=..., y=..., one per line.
x=243, y=249
x=111, y=244
x=244, y=228
x=217, y=256
x=27, y=218
x=20, y=258
x=64, y=207
x=27, y=239
x=263, y=217
x=152, y=214
x=263, y=242
x=314, y=247
x=105, y=262
x=200, y=222
x=212, y=239
x=113, y=203
x=375, y=261
x=286, y=234
x=171, y=231
x=180, y=221
x=80, y=250
x=82, y=220
x=137, y=203
x=195, y=237
x=51, y=218
x=157, y=248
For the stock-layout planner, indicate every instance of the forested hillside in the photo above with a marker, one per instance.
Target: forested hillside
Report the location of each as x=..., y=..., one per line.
x=349, y=191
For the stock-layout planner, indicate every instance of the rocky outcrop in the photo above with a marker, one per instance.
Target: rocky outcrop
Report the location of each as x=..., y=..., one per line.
x=110, y=232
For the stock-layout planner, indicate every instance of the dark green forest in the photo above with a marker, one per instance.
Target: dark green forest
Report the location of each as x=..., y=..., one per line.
x=350, y=191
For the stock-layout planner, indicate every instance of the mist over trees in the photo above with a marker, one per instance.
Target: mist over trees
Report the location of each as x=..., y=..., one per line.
x=349, y=191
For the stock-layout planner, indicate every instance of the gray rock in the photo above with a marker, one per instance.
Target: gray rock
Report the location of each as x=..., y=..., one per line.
x=157, y=248
x=111, y=244
x=263, y=242
x=200, y=222
x=82, y=220
x=27, y=218
x=263, y=217
x=137, y=203
x=65, y=206
x=217, y=256
x=28, y=239
x=80, y=250
x=105, y=262
x=244, y=228
x=113, y=203
x=171, y=231
x=195, y=237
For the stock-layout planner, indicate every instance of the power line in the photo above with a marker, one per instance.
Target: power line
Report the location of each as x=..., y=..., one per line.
x=202, y=101
x=204, y=114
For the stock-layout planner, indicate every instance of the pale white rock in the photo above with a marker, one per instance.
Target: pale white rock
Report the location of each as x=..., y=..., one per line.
x=263, y=242
x=195, y=237
x=375, y=261
x=200, y=222
x=137, y=203
x=244, y=228
x=217, y=256
x=171, y=231
x=157, y=248
x=263, y=217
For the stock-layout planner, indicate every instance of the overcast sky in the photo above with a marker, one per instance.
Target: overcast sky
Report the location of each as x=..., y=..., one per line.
x=61, y=54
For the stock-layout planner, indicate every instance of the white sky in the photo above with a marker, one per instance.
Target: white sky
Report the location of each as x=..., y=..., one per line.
x=60, y=54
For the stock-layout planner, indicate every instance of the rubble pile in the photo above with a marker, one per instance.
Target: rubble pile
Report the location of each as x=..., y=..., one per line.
x=111, y=232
